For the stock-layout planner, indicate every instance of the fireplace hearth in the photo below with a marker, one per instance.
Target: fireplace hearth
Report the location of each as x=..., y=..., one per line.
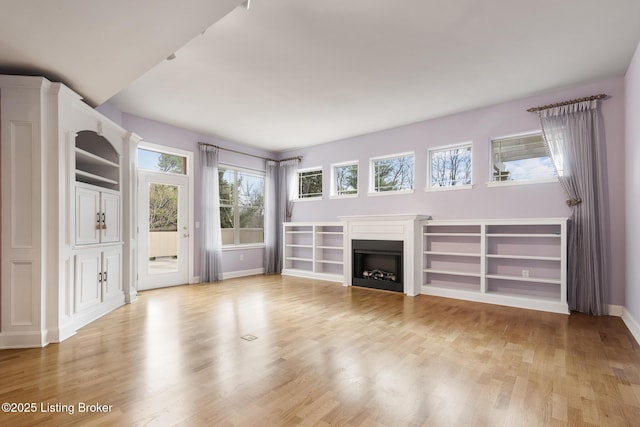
x=377, y=264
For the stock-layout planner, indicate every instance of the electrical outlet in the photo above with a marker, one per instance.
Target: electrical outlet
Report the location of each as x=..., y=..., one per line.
x=525, y=273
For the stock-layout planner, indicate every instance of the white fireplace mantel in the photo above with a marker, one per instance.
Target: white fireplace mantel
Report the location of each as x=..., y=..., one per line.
x=403, y=227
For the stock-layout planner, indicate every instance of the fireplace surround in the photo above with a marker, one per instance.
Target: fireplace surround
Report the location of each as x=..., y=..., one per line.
x=403, y=228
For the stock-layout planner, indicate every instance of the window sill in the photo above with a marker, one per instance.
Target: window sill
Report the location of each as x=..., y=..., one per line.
x=521, y=182
x=243, y=247
x=344, y=196
x=452, y=188
x=308, y=199
x=389, y=193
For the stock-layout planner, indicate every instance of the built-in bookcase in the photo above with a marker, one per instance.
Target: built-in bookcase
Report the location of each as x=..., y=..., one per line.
x=314, y=250
x=519, y=263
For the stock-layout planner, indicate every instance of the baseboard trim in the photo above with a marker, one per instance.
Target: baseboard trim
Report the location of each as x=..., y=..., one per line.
x=242, y=273
x=23, y=339
x=615, y=310
x=632, y=324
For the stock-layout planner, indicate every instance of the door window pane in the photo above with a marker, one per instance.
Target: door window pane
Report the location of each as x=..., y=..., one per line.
x=163, y=228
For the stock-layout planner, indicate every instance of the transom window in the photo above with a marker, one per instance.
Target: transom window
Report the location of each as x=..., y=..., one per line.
x=310, y=183
x=241, y=206
x=392, y=173
x=521, y=158
x=345, y=179
x=450, y=166
x=161, y=162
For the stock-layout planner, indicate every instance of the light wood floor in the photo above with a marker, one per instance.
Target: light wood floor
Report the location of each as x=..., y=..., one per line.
x=329, y=355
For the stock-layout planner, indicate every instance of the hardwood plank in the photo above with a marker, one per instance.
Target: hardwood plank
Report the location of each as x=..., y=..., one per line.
x=328, y=355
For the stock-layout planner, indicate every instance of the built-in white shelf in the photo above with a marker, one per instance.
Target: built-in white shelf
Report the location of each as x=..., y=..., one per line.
x=90, y=178
x=90, y=158
x=314, y=250
x=450, y=272
x=515, y=262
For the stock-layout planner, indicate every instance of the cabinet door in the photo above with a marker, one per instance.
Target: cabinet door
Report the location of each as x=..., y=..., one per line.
x=87, y=216
x=110, y=212
x=111, y=274
x=87, y=284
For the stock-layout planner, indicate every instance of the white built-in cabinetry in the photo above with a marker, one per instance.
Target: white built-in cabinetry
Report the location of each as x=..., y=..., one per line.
x=520, y=262
x=314, y=250
x=97, y=216
x=67, y=220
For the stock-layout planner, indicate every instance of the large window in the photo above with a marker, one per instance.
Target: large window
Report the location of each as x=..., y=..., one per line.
x=521, y=158
x=310, y=183
x=392, y=173
x=450, y=167
x=241, y=206
x=344, y=180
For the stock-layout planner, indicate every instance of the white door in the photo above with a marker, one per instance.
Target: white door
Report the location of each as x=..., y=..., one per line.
x=110, y=216
x=88, y=279
x=163, y=232
x=111, y=273
x=88, y=220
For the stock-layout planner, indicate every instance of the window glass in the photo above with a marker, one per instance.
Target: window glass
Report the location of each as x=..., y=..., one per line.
x=241, y=207
x=393, y=173
x=345, y=179
x=450, y=167
x=310, y=183
x=161, y=162
x=521, y=158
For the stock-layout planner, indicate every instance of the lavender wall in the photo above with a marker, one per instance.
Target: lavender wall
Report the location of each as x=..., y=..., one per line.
x=111, y=112
x=479, y=126
x=632, y=137
x=160, y=133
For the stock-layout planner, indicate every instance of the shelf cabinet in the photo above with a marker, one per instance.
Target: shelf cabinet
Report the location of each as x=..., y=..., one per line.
x=97, y=162
x=97, y=216
x=314, y=250
x=519, y=262
x=98, y=278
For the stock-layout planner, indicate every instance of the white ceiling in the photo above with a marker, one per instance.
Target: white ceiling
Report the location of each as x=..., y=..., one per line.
x=291, y=73
x=98, y=47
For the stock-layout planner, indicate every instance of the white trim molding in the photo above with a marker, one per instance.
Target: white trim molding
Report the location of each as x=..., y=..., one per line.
x=632, y=324
x=242, y=273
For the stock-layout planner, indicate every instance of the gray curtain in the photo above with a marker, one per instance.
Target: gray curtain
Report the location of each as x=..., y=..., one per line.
x=572, y=135
x=279, y=194
x=271, y=236
x=211, y=251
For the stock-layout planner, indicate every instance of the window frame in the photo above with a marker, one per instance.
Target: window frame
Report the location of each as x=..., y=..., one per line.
x=305, y=170
x=430, y=151
x=236, y=207
x=372, y=174
x=492, y=183
x=333, y=193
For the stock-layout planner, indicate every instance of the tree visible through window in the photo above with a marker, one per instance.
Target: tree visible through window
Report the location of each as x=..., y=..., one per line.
x=310, y=183
x=394, y=173
x=241, y=207
x=450, y=166
x=345, y=179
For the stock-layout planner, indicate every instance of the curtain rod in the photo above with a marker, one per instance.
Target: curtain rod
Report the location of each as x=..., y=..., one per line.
x=572, y=101
x=250, y=155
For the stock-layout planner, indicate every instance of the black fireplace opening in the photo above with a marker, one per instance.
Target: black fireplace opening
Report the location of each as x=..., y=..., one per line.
x=377, y=264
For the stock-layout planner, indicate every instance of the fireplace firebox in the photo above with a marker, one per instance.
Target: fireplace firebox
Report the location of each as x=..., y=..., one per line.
x=377, y=264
